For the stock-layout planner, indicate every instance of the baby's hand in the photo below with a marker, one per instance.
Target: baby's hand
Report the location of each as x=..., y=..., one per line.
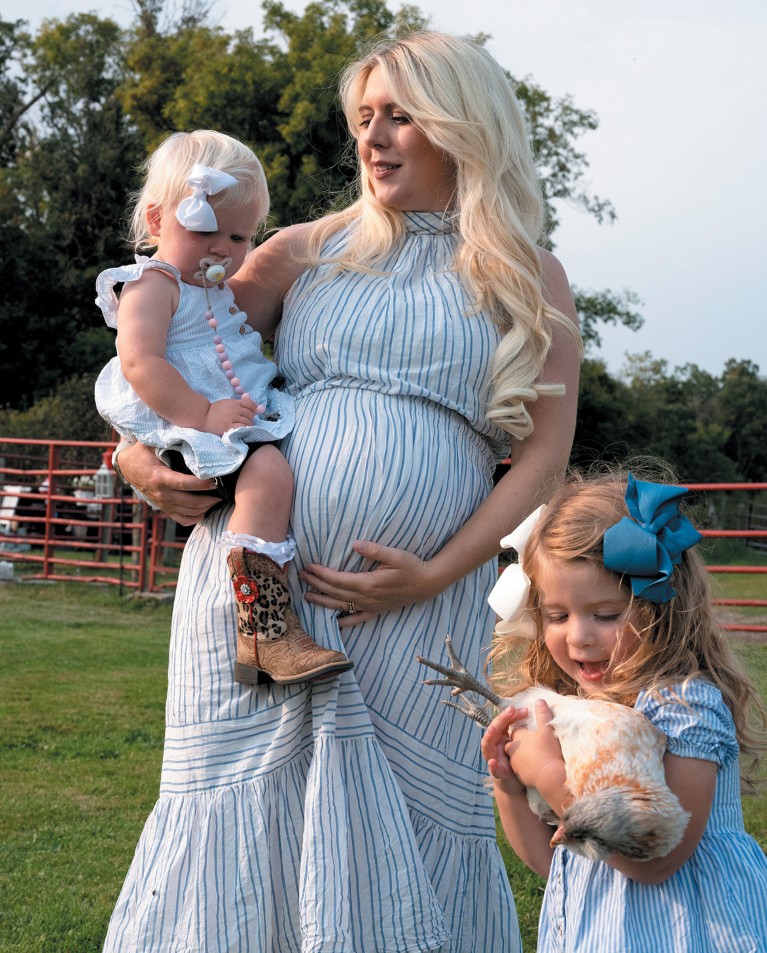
x=223, y=415
x=494, y=742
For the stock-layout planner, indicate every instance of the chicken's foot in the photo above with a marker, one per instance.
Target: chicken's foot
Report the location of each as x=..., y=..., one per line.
x=460, y=680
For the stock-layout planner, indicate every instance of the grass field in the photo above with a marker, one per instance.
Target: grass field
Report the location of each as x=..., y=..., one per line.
x=82, y=695
x=82, y=691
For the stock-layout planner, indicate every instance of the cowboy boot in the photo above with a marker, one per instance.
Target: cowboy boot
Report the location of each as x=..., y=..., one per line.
x=272, y=646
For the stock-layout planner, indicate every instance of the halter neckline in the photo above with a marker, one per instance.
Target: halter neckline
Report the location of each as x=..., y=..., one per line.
x=429, y=223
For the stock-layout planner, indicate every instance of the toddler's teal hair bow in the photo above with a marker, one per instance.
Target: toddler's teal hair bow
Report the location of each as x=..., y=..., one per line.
x=648, y=544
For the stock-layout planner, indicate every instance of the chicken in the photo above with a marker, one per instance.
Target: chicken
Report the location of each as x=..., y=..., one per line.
x=619, y=801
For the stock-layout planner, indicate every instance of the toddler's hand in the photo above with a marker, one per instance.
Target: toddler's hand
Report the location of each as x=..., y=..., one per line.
x=533, y=752
x=223, y=415
x=494, y=742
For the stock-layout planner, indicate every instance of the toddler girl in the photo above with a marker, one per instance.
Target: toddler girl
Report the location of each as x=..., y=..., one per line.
x=190, y=380
x=614, y=603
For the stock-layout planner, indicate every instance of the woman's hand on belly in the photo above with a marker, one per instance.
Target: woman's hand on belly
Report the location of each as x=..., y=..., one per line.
x=397, y=579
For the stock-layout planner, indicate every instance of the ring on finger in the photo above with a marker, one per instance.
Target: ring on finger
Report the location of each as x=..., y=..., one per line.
x=351, y=607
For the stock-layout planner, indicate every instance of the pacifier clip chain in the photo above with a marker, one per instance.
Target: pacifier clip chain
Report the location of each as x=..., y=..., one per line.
x=213, y=272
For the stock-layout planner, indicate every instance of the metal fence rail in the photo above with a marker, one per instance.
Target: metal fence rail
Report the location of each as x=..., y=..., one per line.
x=63, y=513
x=754, y=534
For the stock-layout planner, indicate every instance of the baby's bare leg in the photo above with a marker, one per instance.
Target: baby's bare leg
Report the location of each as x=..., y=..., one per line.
x=263, y=496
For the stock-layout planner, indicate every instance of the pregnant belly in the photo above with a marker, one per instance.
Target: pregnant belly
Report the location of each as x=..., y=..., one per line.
x=399, y=470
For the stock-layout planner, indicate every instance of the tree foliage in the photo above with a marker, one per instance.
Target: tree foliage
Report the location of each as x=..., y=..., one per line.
x=711, y=429
x=62, y=188
x=81, y=104
x=555, y=126
x=69, y=413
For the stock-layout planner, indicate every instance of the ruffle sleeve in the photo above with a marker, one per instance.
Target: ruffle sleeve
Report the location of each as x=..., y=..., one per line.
x=106, y=298
x=695, y=720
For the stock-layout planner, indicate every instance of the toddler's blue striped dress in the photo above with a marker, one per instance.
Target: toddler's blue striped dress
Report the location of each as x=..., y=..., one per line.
x=349, y=817
x=715, y=903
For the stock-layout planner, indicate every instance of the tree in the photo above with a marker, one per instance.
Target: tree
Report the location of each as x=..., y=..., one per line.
x=15, y=98
x=601, y=430
x=674, y=418
x=605, y=307
x=69, y=413
x=61, y=199
x=86, y=102
x=555, y=125
x=742, y=411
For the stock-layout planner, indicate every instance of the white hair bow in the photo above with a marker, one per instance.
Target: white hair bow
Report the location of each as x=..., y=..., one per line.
x=194, y=212
x=509, y=595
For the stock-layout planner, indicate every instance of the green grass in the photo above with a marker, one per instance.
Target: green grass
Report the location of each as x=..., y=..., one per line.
x=82, y=692
x=82, y=695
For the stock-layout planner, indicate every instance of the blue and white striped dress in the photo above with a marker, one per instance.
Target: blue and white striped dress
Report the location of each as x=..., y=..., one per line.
x=715, y=903
x=347, y=817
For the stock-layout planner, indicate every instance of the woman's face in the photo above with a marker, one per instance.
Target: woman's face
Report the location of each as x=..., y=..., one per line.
x=587, y=620
x=406, y=172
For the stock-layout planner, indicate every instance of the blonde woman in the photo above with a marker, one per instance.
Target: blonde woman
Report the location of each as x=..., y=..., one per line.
x=424, y=336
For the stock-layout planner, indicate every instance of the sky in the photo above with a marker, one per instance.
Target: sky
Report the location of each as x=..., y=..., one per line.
x=679, y=88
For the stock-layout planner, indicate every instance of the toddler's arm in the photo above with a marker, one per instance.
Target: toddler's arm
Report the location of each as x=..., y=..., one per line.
x=528, y=835
x=693, y=781
x=146, y=309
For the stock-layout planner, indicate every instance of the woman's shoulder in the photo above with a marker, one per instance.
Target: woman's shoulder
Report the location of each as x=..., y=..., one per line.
x=293, y=238
x=555, y=284
x=267, y=274
x=281, y=257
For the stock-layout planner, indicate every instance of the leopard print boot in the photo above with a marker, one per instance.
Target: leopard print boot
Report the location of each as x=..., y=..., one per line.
x=272, y=646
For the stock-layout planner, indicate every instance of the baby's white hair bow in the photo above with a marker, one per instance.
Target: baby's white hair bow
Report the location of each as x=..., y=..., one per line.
x=194, y=212
x=509, y=595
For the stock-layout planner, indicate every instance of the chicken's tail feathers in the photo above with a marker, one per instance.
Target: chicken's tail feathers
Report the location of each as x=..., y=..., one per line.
x=636, y=821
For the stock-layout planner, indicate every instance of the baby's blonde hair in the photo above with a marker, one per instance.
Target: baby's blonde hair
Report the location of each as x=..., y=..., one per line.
x=676, y=641
x=460, y=98
x=168, y=168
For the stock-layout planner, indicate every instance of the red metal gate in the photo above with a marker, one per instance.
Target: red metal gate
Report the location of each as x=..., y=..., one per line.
x=64, y=516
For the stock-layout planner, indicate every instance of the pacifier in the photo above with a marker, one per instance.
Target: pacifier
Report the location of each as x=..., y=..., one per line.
x=213, y=271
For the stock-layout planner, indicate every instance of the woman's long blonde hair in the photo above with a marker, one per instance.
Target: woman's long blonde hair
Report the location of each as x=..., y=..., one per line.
x=676, y=641
x=458, y=96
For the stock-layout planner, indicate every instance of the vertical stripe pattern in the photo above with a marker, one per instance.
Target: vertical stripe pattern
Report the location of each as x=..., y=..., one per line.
x=349, y=816
x=715, y=903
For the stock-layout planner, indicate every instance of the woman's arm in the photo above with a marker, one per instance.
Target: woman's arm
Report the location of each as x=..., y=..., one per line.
x=539, y=463
x=267, y=274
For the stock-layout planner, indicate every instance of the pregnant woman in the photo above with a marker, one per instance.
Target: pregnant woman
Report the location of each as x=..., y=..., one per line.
x=422, y=332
